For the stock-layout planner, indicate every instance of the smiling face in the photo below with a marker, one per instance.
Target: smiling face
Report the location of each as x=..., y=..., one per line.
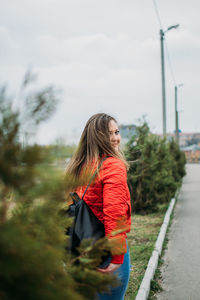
x=115, y=137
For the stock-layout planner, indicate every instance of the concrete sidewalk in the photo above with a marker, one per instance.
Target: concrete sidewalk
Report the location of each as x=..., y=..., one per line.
x=181, y=268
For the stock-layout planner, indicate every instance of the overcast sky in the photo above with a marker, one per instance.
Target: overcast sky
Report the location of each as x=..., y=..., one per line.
x=105, y=57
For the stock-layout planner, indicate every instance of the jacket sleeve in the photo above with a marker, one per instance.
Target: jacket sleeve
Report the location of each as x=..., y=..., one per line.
x=115, y=206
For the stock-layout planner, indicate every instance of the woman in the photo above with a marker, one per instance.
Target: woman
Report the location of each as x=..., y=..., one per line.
x=108, y=197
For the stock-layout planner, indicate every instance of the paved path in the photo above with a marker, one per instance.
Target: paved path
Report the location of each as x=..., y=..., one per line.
x=181, y=269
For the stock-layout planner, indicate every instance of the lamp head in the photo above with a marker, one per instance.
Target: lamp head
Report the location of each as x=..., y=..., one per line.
x=173, y=27
x=180, y=85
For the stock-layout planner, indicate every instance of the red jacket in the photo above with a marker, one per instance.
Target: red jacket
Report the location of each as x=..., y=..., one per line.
x=109, y=199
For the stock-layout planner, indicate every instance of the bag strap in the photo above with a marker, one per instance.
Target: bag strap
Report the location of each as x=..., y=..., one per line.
x=93, y=176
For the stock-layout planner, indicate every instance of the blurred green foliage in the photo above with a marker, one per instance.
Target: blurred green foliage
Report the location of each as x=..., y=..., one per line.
x=56, y=152
x=34, y=263
x=156, y=169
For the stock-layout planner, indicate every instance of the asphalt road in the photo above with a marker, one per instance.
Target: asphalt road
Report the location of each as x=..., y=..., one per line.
x=181, y=268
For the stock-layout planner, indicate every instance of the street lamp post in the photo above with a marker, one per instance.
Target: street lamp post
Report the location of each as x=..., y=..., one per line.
x=176, y=113
x=176, y=117
x=162, y=37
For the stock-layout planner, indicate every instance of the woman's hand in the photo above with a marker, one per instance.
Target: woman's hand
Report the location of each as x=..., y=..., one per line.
x=110, y=268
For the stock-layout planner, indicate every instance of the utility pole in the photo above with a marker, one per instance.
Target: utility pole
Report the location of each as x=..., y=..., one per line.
x=162, y=36
x=176, y=113
x=176, y=117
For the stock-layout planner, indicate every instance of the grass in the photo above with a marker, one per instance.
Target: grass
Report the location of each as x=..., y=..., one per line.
x=141, y=239
x=156, y=284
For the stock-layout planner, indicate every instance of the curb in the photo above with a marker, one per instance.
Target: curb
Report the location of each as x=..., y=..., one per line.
x=144, y=289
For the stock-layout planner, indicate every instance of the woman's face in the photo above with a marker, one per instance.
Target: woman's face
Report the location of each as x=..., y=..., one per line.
x=115, y=137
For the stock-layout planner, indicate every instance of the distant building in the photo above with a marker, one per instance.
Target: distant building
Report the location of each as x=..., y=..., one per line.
x=189, y=144
x=126, y=132
x=185, y=139
x=189, y=138
x=192, y=153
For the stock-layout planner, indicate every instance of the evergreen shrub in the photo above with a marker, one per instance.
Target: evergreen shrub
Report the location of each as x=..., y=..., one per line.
x=156, y=169
x=34, y=263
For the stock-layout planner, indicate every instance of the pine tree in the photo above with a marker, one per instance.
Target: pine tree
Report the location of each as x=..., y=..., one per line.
x=155, y=173
x=34, y=263
x=179, y=160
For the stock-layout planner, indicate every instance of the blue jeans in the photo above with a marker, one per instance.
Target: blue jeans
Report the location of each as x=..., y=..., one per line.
x=118, y=293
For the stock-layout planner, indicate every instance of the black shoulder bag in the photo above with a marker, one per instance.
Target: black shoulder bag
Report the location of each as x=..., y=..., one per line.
x=86, y=224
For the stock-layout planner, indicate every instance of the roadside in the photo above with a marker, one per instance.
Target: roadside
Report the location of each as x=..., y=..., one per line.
x=156, y=283
x=141, y=239
x=180, y=271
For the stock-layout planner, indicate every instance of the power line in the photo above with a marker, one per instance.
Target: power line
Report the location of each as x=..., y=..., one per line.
x=162, y=37
x=157, y=13
x=170, y=63
x=167, y=51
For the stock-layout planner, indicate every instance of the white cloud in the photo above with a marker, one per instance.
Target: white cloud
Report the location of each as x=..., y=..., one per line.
x=99, y=49
x=105, y=56
x=8, y=47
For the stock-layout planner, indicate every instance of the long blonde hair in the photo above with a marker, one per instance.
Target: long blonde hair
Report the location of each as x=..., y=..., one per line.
x=94, y=143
